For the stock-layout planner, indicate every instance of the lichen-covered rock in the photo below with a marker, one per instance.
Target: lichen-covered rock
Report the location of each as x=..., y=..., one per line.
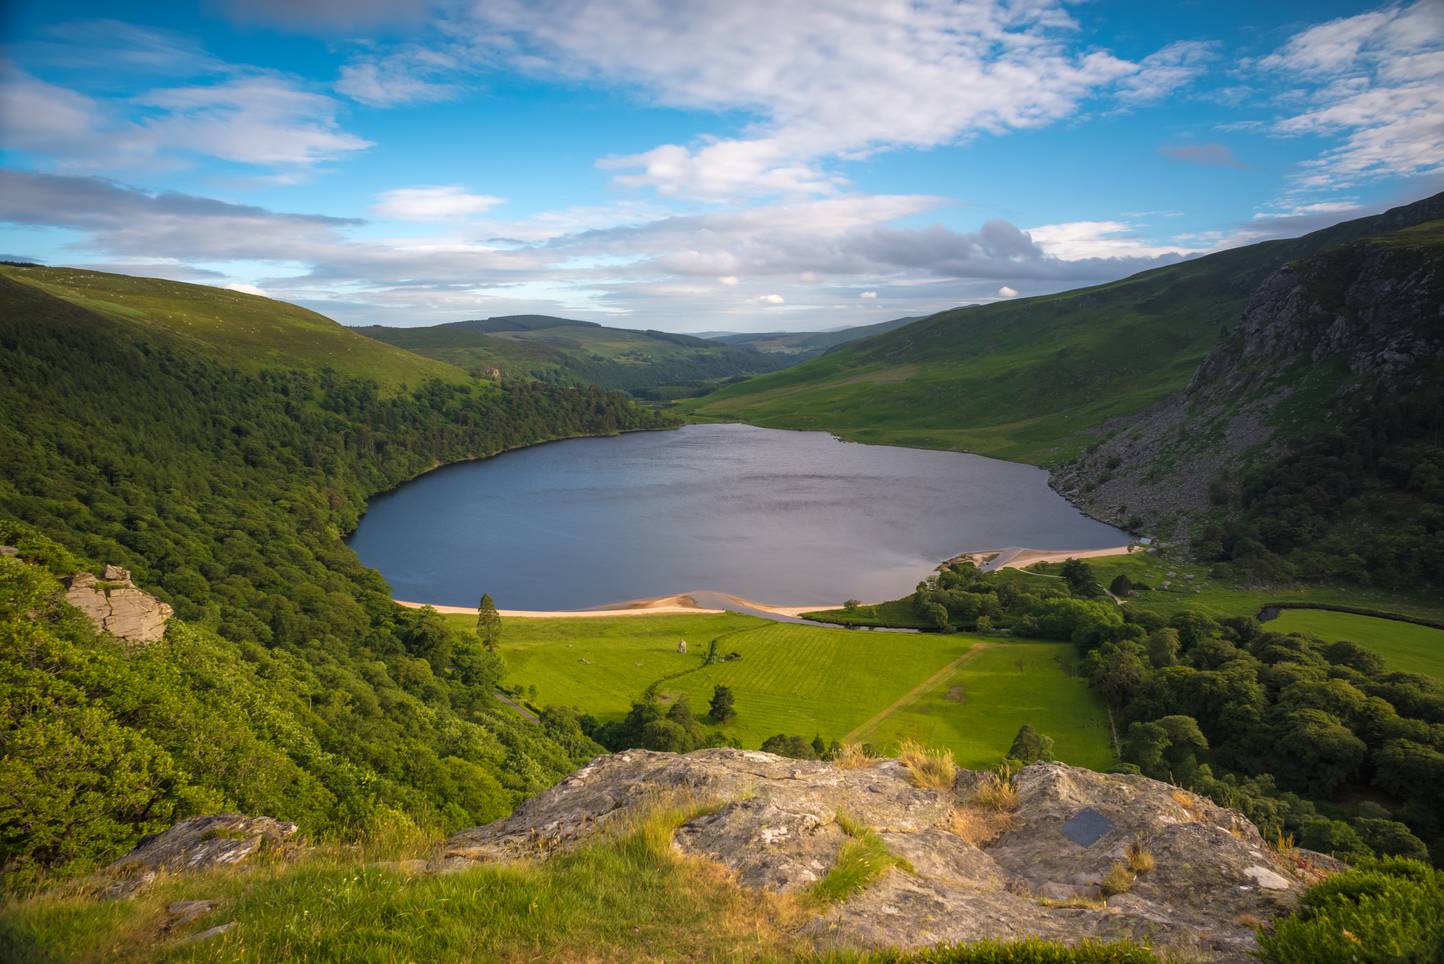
x=195, y=843
x=122, y=610
x=775, y=823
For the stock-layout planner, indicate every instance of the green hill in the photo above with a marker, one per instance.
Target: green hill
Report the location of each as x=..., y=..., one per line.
x=232, y=327
x=807, y=344
x=288, y=683
x=1032, y=379
x=648, y=364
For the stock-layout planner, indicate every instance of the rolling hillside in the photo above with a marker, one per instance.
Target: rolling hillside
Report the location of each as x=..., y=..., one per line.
x=648, y=364
x=232, y=327
x=1033, y=379
x=802, y=345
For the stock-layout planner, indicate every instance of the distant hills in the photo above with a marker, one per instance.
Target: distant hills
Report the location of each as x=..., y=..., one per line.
x=807, y=344
x=653, y=365
x=1033, y=379
x=246, y=331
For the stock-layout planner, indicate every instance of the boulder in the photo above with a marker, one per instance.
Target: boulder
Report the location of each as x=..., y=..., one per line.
x=774, y=823
x=196, y=843
x=121, y=610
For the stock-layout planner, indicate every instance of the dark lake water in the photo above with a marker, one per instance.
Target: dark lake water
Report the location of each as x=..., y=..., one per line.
x=787, y=518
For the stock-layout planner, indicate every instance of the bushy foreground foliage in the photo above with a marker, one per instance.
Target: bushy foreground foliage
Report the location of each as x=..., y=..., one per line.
x=1389, y=909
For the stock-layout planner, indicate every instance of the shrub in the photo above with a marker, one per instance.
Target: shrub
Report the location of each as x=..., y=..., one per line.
x=1386, y=909
x=933, y=768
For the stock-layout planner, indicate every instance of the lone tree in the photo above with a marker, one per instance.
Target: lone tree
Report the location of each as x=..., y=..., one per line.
x=1030, y=746
x=720, y=709
x=488, y=622
x=1121, y=585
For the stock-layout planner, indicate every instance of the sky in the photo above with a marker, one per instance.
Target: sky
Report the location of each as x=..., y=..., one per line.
x=708, y=165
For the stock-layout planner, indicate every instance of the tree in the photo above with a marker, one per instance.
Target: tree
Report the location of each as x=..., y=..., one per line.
x=1081, y=579
x=784, y=744
x=818, y=747
x=937, y=614
x=488, y=622
x=721, y=709
x=1030, y=746
x=851, y=604
x=1121, y=586
x=1163, y=647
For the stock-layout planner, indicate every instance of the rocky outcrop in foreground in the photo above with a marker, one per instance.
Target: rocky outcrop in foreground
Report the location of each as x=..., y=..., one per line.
x=196, y=843
x=116, y=606
x=1044, y=865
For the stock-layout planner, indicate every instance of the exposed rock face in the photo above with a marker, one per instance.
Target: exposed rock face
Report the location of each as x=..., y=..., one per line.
x=195, y=843
x=1366, y=314
x=777, y=828
x=122, y=610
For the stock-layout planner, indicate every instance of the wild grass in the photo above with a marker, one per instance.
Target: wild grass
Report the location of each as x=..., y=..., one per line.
x=1118, y=880
x=978, y=826
x=1140, y=859
x=997, y=793
x=630, y=896
x=854, y=756
x=929, y=767
x=863, y=859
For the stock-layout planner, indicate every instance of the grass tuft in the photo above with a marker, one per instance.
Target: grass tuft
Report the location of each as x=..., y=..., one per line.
x=978, y=826
x=930, y=768
x=997, y=793
x=861, y=861
x=1119, y=880
x=1140, y=859
x=854, y=756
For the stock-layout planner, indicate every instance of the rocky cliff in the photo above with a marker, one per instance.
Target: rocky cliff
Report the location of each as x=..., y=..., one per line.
x=1364, y=319
x=1062, y=853
x=117, y=606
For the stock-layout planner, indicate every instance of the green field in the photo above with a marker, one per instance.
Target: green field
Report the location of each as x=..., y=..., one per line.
x=1406, y=647
x=234, y=328
x=810, y=681
x=1037, y=682
x=1191, y=587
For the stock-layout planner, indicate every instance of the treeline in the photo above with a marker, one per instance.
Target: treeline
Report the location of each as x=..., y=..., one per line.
x=1309, y=739
x=227, y=494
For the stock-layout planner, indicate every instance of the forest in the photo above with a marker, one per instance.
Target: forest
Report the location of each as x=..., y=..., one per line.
x=291, y=684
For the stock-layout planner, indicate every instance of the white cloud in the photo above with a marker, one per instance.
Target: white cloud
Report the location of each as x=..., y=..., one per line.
x=407, y=76
x=231, y=112
x=772, y=299
x=821, y=81
x=731, y=280
x=432, y=203
x=868, y=295
x=1375, y=83
x=1007, y=292
x=249, y=289
x=1074, y=240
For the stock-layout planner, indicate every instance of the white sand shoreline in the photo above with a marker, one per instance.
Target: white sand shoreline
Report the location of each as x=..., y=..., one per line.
x=707, y=602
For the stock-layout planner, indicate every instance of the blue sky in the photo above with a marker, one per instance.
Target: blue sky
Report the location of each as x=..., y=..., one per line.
x=710, y=165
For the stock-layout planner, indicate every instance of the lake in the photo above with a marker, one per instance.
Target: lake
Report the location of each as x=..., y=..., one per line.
x=786, y=518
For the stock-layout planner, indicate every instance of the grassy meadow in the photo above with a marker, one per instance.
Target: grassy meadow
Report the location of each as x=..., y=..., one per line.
x=841, y=684
x=1406, y=647
x=1037, y=682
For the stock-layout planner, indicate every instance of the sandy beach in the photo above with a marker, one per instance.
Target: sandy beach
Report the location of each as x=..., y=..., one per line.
x=706, y=601
x=697, y=603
